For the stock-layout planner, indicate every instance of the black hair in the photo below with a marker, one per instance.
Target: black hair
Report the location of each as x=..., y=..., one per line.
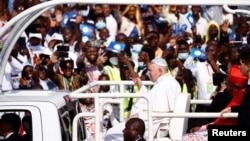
x=64, y=62
x=98, y=16
x=182, y=42
x=138, y=124
x=120, y=34
x=245, y=56
x=149, y=50
x=23, y=73
x=103, y=75
x=154, y=32
x=189, y=80
x=80, y=66
x=71, y=26
x=212, y=41
x=13, y=119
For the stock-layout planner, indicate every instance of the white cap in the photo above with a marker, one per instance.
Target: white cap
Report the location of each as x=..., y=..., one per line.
x=35, y=35
x=47, y=51
x=160, y=61
x=56, y=36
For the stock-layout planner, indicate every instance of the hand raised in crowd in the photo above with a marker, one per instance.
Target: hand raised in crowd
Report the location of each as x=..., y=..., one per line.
x=225, y=26
x=59, y=17
x=78, y=19
x=55, y=57
x=210, y=58
x=137, y=81
x=39, y=60
x=24, y=82
x=101, y=59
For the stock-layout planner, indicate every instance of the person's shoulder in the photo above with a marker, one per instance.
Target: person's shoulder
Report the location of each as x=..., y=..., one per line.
x=170, y=79
x=223, y=96
x=14, y=137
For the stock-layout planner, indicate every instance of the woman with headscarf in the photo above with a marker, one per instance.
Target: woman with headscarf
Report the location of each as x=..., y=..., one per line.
x=213, y=31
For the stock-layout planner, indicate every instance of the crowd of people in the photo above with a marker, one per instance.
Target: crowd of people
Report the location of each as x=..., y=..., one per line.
x=182, y=49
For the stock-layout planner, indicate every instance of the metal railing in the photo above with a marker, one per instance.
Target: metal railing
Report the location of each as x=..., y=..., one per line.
x=98, y=114
x=118, y=98
x=19, y=23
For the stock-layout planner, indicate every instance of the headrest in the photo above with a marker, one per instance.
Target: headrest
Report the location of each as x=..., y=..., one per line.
x=13, y=119
x=236, y=77
x=160, y=61
x=35, y=35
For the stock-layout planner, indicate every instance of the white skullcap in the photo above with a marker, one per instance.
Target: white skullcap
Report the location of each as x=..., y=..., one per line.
x=160, y=61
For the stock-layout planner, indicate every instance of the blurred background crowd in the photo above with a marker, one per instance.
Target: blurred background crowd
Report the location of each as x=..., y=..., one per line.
x=72, y=45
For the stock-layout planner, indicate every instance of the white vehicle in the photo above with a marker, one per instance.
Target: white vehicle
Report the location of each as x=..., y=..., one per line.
x=53, y=112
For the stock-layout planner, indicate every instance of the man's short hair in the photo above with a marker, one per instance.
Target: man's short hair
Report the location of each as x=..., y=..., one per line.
x=13, y=119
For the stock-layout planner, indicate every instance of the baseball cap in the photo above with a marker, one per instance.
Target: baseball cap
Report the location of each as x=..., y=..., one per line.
x=160, y=61
x=35, y=35
x=56, y=36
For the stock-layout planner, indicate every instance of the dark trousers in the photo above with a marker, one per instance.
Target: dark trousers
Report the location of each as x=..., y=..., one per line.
x=193, y=122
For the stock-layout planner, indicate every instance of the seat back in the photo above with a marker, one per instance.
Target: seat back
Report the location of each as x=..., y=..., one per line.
x=178, y=126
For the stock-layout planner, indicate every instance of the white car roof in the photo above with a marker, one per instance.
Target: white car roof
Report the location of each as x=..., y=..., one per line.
x=56, y=97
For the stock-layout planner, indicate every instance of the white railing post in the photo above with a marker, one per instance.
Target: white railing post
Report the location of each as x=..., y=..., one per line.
x=96, y=113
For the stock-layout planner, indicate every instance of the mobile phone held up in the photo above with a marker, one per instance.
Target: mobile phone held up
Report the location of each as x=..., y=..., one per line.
x=63, y=51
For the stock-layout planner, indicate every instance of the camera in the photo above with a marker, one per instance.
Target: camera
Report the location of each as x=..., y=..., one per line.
x=63, y=51
x=43, y=56
x=62, y=48
x=218, y=78
x=63, y=54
